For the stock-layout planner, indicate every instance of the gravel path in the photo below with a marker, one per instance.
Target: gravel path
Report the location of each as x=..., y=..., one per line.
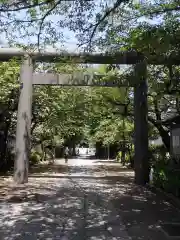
x=82, y=203
x=62, y=207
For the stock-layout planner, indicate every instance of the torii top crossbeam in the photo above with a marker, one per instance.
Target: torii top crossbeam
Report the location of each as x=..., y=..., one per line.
x=128, y=57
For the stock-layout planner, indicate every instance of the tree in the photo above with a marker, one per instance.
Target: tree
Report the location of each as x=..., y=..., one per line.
x=8, y=105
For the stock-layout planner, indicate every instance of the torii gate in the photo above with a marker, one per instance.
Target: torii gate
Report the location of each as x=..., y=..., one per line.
x=28, y=79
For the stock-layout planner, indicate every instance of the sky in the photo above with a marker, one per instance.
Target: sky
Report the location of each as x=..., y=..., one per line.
x=69, y=36
x=70, y=44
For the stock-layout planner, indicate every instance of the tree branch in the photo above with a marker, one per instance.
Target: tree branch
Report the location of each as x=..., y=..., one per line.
x=165, y=10
x=43, y=19
x=7, y=9
x=158, y=114
x=106, y=14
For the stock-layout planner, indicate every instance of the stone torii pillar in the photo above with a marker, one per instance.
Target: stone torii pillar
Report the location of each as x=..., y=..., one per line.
x=23, y=139
x=141, y=159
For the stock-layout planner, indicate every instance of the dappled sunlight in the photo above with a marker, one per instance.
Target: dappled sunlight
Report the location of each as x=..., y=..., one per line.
x=53, y=207
x=139, y=198
x=102, y=205
x=143, y=212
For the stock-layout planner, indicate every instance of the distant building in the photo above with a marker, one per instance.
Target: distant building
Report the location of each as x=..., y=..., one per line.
x=157, y=142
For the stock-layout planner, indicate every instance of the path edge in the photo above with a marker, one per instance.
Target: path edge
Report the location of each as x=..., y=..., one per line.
x=167, y=196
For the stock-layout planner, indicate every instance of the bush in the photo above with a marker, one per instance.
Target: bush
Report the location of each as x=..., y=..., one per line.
x=118, y=157
x=165, y=176
x=7, y=164
x=129, y=156
x=35, y=158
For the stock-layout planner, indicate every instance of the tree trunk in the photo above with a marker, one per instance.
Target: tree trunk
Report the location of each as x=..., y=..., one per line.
x=123, y=145
x=43, y=151
x=165, y=137
x=74, y=149
x=3, y=146
x=123, y=160
x=163, y=133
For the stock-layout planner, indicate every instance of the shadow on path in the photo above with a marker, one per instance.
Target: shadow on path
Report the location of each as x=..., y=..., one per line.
x=81, y=207
x=78, y=209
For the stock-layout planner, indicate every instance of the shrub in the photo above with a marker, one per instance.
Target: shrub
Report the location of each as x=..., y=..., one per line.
x=118, y=157
x=35, y=158
x=166, y=175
